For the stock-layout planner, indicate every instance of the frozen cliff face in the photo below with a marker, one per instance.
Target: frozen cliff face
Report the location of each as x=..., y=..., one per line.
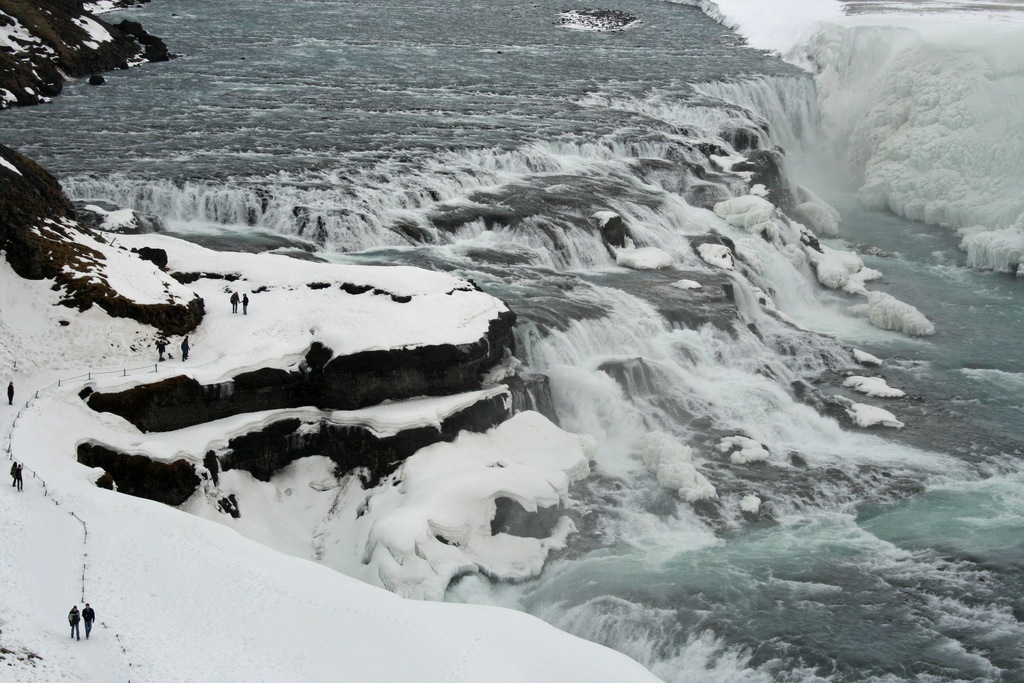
x=999, y=250
x=929, y=122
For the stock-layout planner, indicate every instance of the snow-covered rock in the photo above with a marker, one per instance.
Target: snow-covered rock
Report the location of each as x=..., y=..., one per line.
x=750, y=213
x=865, y=358
x=864, y=415
x=717, y=255
x=872, y=386
x=750, y=504
x=743, y=450
x=643, y=258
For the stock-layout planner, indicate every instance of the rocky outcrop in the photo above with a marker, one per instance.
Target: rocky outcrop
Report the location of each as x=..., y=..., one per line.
x=322, y=380
x=55, y=39
x=103, y=215
x=352, y=446
x=532, y=391
x=137, y=475
x=264, y=452
x=766, y=166
x=41, y=240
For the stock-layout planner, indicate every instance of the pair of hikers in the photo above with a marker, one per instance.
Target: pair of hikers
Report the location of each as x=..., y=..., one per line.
x=234, y=303
x=16, y=476
x=161, y=346
x=88, y=615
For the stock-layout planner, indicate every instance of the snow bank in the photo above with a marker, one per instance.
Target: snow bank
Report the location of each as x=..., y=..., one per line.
x=293, y=303
x=428, y=522
x=686, y=284
x=872, y=386
x=8, y=166
x=672, y=464
x=432, y=520
x=97, y=33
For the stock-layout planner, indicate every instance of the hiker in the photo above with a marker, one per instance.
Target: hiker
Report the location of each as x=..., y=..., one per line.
x=14, y=473
x=88, y=616
x=17, y=477
x=234, y=302
x=73, y=619
x=161, y=345
x=245, y=304
x=10, y=394
x=184, y=348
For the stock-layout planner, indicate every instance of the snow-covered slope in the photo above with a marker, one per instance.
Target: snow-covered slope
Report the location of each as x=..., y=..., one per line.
x=181, y=598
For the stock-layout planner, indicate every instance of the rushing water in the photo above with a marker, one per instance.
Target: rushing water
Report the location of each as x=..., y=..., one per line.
x=479, y=138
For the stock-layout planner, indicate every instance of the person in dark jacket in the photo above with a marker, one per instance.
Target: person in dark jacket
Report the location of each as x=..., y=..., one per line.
x=88, y=616
x=73, y=618
x=184, y=348
x=14, y=473
x=161, y=346
x=18, y=479
x=234, y=302
x=245, y=304
x=10, y=394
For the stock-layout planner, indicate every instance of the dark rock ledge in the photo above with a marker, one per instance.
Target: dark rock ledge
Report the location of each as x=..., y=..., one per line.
x=264, y=452
x=322, y=380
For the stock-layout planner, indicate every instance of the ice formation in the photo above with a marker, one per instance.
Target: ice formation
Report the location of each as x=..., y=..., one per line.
x=750, y=213
x=817, y=214
x=747, y=251
x=744, y=450
x=889, y=313
x=872, y=386
x=672, y=464
x=841, y=270
x=999, y=250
